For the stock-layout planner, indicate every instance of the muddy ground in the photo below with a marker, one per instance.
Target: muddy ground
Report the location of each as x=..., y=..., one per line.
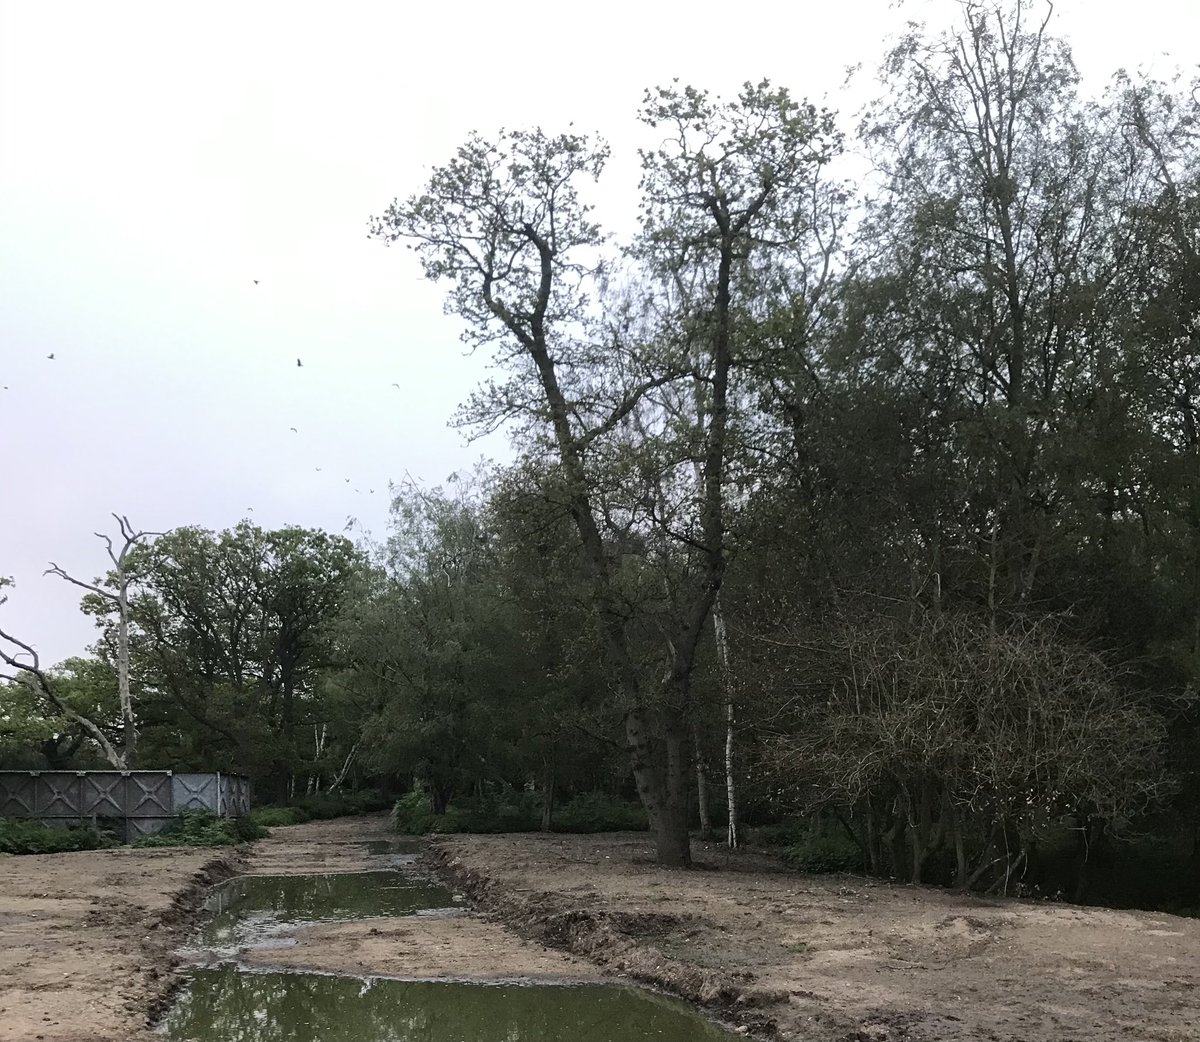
x=842, y=957
x=469, y=947
x=88, y=941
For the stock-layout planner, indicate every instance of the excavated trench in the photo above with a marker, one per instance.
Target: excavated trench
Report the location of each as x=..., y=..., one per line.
x=265, y=965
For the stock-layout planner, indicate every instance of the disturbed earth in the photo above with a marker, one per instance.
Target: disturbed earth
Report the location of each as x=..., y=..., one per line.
x=92, y=944
x=841, y=958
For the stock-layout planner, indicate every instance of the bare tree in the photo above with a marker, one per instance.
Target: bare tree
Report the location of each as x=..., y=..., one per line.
x=117, y=592
x=24, y=661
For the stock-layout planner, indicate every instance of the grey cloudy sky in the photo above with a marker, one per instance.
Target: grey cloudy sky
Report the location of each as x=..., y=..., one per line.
x=156, y=158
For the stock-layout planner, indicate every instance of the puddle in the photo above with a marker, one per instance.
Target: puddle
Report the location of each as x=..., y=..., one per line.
x=224, y=1004
x=410, y=847
x=258, y=911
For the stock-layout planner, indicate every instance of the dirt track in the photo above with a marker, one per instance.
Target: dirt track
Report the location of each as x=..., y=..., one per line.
x=87, y=941
x=822, y=958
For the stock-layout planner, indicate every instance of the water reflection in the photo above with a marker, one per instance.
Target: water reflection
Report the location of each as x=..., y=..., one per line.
x=224, y=1005
x=254, y=905
x=404, y=849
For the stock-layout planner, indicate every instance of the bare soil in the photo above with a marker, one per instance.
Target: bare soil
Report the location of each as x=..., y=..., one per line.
x=841, y=957
x=88, y=941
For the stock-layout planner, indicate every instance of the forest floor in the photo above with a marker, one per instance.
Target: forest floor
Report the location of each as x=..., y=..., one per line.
x=88, y=941
x=840, y=957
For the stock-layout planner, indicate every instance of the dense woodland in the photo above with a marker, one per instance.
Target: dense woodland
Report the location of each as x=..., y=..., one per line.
x=872, y=503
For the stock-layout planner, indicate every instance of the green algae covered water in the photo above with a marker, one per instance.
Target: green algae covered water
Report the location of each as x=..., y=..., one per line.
x=228, y=1005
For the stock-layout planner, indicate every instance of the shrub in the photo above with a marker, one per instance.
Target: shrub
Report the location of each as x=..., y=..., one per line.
x=411, y=814
x=779, y=834
x=202, y=828
x=598, y=812
x=509, y=811
x=824, y=852
x=272, y=817
x=323, y=805
x=20, y=836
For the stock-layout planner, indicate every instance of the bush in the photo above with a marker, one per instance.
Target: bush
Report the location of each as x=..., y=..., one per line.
x=273, y=817
x=779, y=834
x=324, y=805
x=411, y=814
x=509, y=811
x=202, y=828
x=824, y=852
x=598, y=812
x=20, y=836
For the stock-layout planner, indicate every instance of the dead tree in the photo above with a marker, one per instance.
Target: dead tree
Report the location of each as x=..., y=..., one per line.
x=28, y=670
x=116, y=592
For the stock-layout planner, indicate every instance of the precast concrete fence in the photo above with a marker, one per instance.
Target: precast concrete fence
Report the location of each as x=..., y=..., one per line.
x=131, y=803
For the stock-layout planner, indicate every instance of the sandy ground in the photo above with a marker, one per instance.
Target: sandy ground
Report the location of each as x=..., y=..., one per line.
x=86, y=939
x=842, y=957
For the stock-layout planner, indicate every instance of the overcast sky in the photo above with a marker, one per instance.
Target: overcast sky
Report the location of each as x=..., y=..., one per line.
x=157, y=158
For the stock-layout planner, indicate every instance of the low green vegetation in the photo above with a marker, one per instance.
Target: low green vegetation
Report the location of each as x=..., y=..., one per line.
x=516, y=812
x=20, y=836
x=319, y=807
x=202, y=828
x=824, y=851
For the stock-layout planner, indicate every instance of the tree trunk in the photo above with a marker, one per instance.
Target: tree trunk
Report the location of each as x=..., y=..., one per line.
x=548, y=783
x=128, y=725
x=662, y=786
x=874, y=840
x=701, y=781
x=721, y=635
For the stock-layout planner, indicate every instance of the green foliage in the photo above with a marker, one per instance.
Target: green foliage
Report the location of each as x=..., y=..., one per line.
x=598, y=812
x=411, y=814
x=202, y=828
x=20, y=836
x=821, y=851
x=778, y=834
x=231, y=635
x=323, y=805
x=319, y=806
x=516, y=812
x=272, y=817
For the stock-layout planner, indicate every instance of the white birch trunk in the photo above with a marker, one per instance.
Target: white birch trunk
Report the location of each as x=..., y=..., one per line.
x=722, y=639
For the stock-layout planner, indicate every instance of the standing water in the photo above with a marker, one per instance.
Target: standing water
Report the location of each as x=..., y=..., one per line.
x=224, y=1002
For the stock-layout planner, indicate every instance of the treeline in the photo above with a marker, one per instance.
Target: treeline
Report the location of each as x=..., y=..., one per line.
x=882, y=508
